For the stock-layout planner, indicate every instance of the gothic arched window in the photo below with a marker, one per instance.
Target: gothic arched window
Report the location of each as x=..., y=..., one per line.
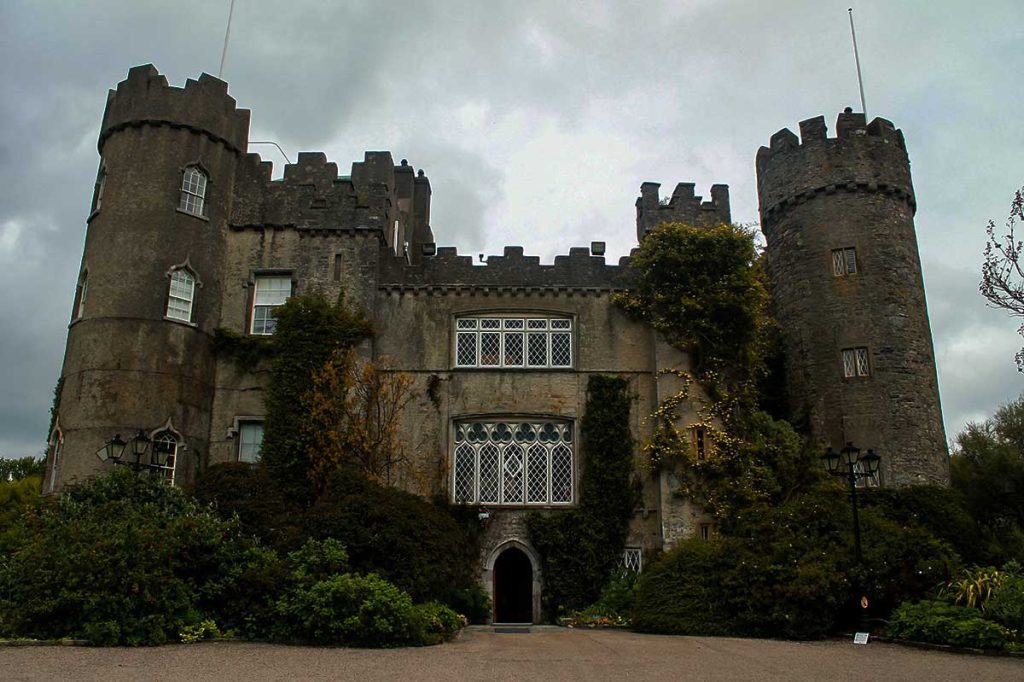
x=193, y=191
x=181, y=295
x=165, y=445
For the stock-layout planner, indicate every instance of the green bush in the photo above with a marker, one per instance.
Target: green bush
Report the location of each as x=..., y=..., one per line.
x=939, y=622
x=1005, y=604
x=472, y=602
x=16, y=497
x=615, y=605
x=436, y=623
x=122, y=559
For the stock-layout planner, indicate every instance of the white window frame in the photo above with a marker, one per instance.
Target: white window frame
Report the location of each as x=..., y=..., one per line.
x=83, y=293
x=856, y=362
x=264, y=299
x=844, y=261
x=244, y=426
x=57, y=442
x=192, y=199
x=184, y=295
x=632, y=559
x=101, y=183
x=467, y=483
x=501, y=328
x=168, y=437
x=865, y=481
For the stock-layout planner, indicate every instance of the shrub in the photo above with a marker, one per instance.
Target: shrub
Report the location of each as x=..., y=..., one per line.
x=16, y=497
x=122, y=559
x=472, y=602
x=1006, y=602
x=615, y=605
x=347, y=609
x=938, y=622
x=417, y=545
x=436, y=623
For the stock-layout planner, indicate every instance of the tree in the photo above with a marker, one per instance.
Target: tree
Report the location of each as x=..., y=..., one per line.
x=20, y=468
x=988, y=469
x=1002, y=273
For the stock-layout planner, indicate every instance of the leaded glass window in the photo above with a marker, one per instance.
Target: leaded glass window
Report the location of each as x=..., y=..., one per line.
x=513, y=462
x=501, y=341
x=632, y=559
x=844, y=261
x=856, y=362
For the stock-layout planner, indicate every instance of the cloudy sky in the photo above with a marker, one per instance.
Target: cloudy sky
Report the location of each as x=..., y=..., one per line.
x=536, y=122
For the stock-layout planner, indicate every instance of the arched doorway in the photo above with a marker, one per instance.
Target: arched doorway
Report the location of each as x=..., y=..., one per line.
x=513, y=587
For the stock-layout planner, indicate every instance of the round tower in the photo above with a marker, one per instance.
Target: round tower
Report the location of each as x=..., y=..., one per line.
x=838, y=217
x=139, y=353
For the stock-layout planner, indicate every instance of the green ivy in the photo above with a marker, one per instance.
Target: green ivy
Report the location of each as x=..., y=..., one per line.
x=579, y=548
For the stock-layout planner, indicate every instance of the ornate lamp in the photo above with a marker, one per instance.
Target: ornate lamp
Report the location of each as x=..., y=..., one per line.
x=139, y=445
x=831, y=460
x=870, y=462
x=850, y=453
x=112, y=449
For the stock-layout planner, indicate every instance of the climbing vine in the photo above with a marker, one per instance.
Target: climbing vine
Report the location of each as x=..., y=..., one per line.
x=580, y=547
x=704, y=290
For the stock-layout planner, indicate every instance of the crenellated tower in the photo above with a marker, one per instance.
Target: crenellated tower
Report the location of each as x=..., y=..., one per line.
x=684, y=206
x=139, y=352
x=838, y=217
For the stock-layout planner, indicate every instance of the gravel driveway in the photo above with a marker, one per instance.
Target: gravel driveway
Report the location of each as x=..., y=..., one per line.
x=545, y=653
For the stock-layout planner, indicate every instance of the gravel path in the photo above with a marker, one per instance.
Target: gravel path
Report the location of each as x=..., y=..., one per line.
x=545, y=653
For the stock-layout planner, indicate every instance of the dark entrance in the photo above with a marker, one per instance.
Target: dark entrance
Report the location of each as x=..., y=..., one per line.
x=513, y=587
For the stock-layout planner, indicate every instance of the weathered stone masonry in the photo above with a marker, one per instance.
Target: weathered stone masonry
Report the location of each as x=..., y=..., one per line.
x=129, y=366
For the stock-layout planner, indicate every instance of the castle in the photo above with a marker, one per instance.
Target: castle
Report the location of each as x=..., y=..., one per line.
x=188, y=233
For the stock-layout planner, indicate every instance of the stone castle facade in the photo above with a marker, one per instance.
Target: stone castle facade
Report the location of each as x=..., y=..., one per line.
x=188, y=233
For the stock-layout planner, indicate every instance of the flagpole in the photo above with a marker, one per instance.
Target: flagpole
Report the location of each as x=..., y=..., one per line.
x=856, y=57
x=227, y=33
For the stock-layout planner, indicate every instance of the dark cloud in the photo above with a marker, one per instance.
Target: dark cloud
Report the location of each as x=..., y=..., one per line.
x=536, y=122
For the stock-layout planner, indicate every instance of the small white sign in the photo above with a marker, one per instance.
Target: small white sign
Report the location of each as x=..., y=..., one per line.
x=860, y=638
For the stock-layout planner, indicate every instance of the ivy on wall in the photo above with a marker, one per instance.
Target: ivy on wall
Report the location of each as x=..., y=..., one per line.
x=580, y=547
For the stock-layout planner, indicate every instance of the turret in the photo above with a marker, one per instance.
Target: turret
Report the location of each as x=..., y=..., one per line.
x=842, y=256
x=139, y=353
x=684, y=206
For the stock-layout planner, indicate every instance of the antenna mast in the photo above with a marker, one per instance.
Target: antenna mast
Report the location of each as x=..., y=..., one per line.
x=856, y=57
x=227, y=33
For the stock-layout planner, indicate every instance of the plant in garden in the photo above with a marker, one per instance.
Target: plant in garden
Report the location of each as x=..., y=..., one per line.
x=939, y=622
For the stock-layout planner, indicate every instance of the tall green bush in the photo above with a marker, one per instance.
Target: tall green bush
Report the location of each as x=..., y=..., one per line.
x=580, y=547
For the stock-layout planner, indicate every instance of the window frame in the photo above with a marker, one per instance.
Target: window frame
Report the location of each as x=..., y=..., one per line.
x=241, y=423
x=844, y=261
x=165, y=435
x=632, y=559
x=191, y=300
x=255, y=304
x=496, y=330
x=98, y=188
x=527, y=451
x=192, y=198
x=81, y=293
x=856, y=362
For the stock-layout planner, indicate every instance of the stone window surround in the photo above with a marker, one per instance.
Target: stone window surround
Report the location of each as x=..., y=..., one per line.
x=524, y=314
x=855, y=362
x=516, y=417
x=844, y=261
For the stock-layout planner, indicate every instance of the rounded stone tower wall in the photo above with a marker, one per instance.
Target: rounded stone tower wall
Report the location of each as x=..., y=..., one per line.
x=838, y=217
x=128, y=365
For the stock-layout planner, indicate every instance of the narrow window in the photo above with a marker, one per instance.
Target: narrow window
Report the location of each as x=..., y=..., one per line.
x=844, y=261
x=193, y=191
x=57, y=441
x=101, y=182
x=180, y=295
x=250, y=440
x=83, y=292
x=270, y=293
x=165, y=447
x=856, y=362
x=698, y=438
x=337, y=267
x=705, y=531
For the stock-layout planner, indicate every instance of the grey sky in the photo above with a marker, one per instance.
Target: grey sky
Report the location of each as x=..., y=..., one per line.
x=536, y=122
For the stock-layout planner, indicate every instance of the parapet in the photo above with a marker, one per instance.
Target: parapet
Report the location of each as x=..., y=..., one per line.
x=145, y=98
x=861, y=156
x=445, y=269
x=683, y=207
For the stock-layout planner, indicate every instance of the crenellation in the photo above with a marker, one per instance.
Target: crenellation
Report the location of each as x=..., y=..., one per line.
x=813, y=130
x=683, y=206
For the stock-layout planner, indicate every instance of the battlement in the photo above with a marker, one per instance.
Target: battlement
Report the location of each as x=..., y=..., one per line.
x=145, y=98
x=446, y=269
x=861, y=157
x=684, y=206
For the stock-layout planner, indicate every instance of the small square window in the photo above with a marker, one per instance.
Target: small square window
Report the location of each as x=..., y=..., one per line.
x=856, y=362
x=632, y=559
x=844, y=261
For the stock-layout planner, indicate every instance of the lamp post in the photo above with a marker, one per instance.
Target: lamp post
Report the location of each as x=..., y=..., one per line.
x=850, y=464
x=116, y=449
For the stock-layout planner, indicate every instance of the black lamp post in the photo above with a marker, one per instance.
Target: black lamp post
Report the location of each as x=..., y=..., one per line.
x=116, y=449
x=850, y=464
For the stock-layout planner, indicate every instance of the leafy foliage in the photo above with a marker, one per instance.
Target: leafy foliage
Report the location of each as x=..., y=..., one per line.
x=987, y=469
x=352, y=417
x=22, y=467
x=939, y=622
x=698, y=287
x=17, y=497
x=580, y=547
x=1002, y=276
x=310, y=330
x=123, y=559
